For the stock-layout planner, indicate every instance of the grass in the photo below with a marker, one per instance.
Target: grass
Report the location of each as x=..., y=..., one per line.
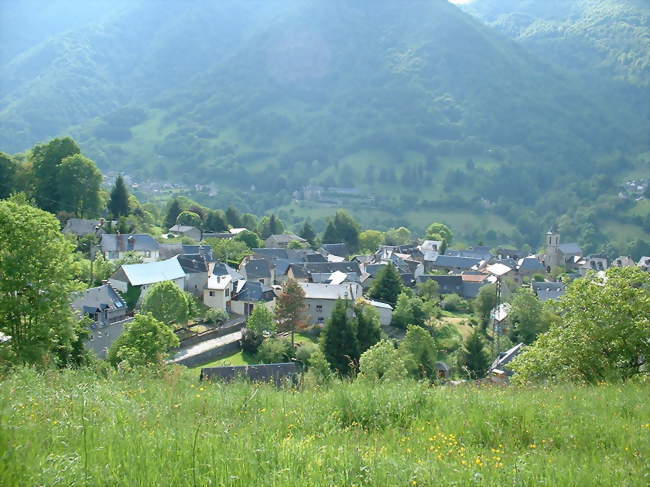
x=75, y=428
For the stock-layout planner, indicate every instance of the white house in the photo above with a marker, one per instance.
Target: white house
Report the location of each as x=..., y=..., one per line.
x=136, y=279
x=115, y=246
x=218, y=292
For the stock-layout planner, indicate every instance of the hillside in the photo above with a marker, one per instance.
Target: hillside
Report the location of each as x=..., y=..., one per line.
x=420, y=111
x=77, y=428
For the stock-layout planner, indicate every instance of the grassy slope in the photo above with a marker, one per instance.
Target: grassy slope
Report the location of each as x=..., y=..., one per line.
x=173, y=431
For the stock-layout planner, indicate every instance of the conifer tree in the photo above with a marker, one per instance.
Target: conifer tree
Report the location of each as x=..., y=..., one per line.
x=339, y=340
x=308, y=234
x=119, y=203
x=233, y=217
x=331, y=235
x=173, y=211
x=387, y=286
x=473, y=357
x=368, y=326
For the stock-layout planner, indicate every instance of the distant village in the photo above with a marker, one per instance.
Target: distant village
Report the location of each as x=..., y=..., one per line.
x=326, y=275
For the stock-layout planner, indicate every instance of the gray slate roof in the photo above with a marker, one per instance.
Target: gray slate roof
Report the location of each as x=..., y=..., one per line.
x=339, y=249
x=254, y=292
x=546, y=291
x=505, y=358
x=81, y=227
x=128, y=242
x=447, y=284
x=257, y=269
x=98, y=299
x=457, y=262
x=193, y=263
x=570, y=249
x=531, y=264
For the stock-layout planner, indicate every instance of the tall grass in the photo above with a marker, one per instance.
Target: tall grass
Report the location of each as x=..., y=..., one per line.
x=74, y=428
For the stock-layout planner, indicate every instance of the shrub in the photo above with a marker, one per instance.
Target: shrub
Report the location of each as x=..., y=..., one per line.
x=251, y=340
x=382, y=363
x=455, y=304
x=275, y=350
x=216, y=316
x=305, y=351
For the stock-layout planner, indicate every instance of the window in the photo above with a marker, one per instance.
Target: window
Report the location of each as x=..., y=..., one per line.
x=227, y=292
x=261, y=281
x=147, y=253
x=212, y=293
x=319, y=308
x=321, y=319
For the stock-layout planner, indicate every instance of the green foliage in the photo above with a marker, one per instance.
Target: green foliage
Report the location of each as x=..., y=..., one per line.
x=387, y=285
x=526, y=317
x=408, y=311
x=8, y=169
x=275, y=350
x=418, y=350
x=233, y=217
x=251, y=340
x=606, y=339
x=262, y=320
x=382, y=363
x=368, y=326
x=118, y=204
x=347, y=229
x=189, y=218
x=145, y=341
x=399, y=236
x=473, y=359
x=216, y=316
x=167, y=303
x=270, y=225
x=305, y=351
x=485, y=302
x=173, y=212
x=455, y=304
x=308, y=234
x=215, y=221
x=149, y=420
x=339, y=340
x=319, y=372
x=440, y=231
x=79, y=182
x=428, y=290
x=250, y=239
x=228, y=250
x=46, y=159
x=35, y=284
x=370, y=240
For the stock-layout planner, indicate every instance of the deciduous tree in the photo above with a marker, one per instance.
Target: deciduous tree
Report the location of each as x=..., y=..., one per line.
x=46, y=159
x=79, y=183
x=145, y=341
x=167, y=303
x=418, y=350
x=290, y=308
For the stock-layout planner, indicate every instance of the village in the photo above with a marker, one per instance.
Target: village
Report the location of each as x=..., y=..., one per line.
x=326, y=274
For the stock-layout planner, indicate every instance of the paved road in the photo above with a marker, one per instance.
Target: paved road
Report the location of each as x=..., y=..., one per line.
x=205, y=346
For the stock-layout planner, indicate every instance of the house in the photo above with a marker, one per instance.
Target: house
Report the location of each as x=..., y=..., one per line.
x=338, y=249
x=116, y=246
x=102, y=304
x=472, y=284
x=499, y=315
x=108, y=310
x=547, y=291
x=450, y=263
x=222, y=269
x=277, y=373
x=479, y=252
x=187, y=231
x=501, y=362
x=247, y=295
x=446, y=284
x=217, y=235
x=81, y=227
x=167, y=251
x=596, y=263
x=259, y=270
x=530, y=265
x=623, y=261
x=283, y=240
x=133, y=280
x=218, y=292
x=196, y=270
x=320, y=299
x=644, y=264
x=431, y=246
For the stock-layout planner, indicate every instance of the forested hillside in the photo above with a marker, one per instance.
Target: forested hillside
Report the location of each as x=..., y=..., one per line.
x=415, y=108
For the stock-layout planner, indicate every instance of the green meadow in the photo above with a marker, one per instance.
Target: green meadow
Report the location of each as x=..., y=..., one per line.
x=80, y=428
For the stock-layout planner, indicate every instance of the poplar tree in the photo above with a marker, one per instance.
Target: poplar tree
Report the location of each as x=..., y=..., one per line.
x=339, y=339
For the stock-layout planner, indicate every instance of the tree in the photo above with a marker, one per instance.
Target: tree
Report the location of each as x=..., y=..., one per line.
x=79, y=182
x=228, y=250
x=233, y=217
x=398, y=236
x=347, y=230
x=262, y=320
x=308, y=234
x=35, y=283
x=290, y=307
x=368, y=325
x=472, y=357
x=275, y=350
x=602, y=333
x=418, y=350
x=8, y=169
x=387, y=286
x=370, y=240
x=251, y=239
x=216, y=221
x=428, y=290
x=331, y=235
x=189, y=218
x=46, y=159
x=382, y=363
x=118, y=204
x=249, y=221
x=526, y=316
x=270, y=225
x=440, y=231
x=455, y=304
x=167, y=303
x=173, y=211
x=339, y=339
x=408, y=311
x=145, y=341
x=485, y=302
